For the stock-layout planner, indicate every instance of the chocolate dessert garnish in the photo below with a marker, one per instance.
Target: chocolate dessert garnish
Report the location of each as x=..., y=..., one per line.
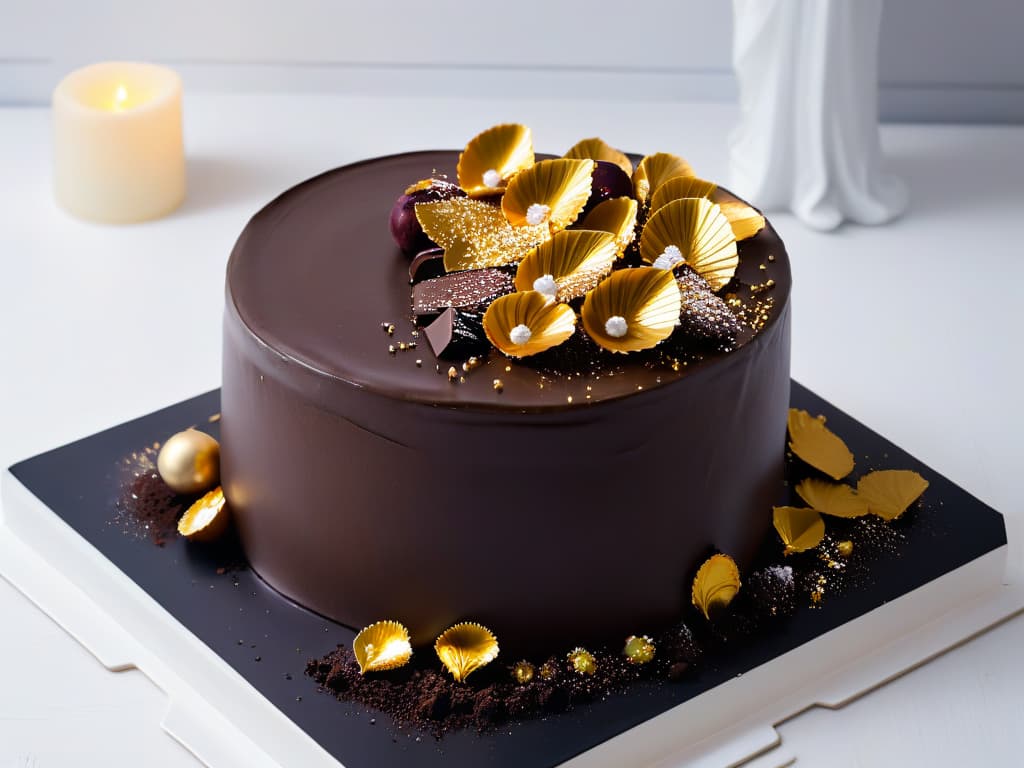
x=457, y=334
x=207, y=519
x=693, y=230
x=833, y=499
x=382, y=646
x=705, y=319
x=493, y=157
x=771, y=591
x=819, y=446
x=681, y=187
x=189, y=461
x=744, y=220
x=800, y=528
x=550, y=193
x=616, y=217
x=632, y=309
x=596, y=149
x=568, y=265
x=582, y=662
x=654, y=170
x=526, y=323
x=466, y=647
x=639, y=649
x=426, y=264
x=716, y=584
x=473, y=289
x=889, y=492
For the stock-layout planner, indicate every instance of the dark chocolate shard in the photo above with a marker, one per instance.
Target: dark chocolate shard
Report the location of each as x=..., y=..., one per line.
x=426, y=265
x=705, y=322
x=473, y=289
x=457, y=334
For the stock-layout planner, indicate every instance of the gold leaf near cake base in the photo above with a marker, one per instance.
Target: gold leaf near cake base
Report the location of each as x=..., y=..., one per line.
x=523, y=324
x=680, y=187
x=575, y=260
x=382, y=646
x=632, y=309
x=496, y=155
x=799, y=528
x=654, y=170
x=465, y=648
x=207, y=519
x=833, y=499
x=616, y=217
x=701, y=232
x=597, y=149
x=475, y=234
x=551, y=192
x=889, y=492
x=744, y=220
x=819, y=446
x=716, y=584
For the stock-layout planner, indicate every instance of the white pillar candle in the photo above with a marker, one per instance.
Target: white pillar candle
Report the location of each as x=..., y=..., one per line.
x=118, y=155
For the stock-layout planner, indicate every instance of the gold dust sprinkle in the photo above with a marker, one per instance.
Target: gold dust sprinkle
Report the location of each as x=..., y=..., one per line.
x=498, y=385
x=452, y=374
x=845, y=548
x=508, y=369
x=568, y=399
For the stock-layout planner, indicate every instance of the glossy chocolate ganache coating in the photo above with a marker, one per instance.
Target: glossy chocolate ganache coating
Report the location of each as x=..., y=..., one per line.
x=570, y=506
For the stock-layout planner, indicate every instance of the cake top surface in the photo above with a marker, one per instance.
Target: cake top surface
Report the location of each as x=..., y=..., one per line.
x=318, y=279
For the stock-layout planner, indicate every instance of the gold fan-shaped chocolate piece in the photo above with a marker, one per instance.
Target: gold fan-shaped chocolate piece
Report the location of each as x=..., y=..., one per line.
x=744, y=220
x=551, y=193
x=829, y=498
x=523, y=324
x=598, y=149
x=800, y=528
x=382, y=646
x=716, y=584
x=632, y=309
x=654, y=170
x=617, y=217
x=568, y=265
x=888, y=492
x=819, y=446
x=207, y=519
x=493, y=157
x=693, y=230
x=466, y=647
x=475, y=234
x=680, y=187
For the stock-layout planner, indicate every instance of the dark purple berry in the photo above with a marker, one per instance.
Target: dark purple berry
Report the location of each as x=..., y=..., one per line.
x=608, y=181
x=405, y=227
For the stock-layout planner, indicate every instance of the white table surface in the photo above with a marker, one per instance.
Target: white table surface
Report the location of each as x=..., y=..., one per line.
x=913, y=328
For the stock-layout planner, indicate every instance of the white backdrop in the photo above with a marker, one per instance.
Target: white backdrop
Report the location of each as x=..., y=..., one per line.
x=940, y=59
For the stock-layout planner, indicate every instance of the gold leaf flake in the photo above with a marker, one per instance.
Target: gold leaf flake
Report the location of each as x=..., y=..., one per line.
x=616, y=216
x=799, y=527
x=551, y=192
x=816, y=444
x=207, y=519
x=654, y=170
x=466, y=647
x=572, y=262
x=381, y=646
x=632, y=309
x=597, y=149
x=523, y=324
x=833, y=499
x=888, y=492
x=695, y=230
x=493, y=157
x=716, y=584
x=744, y=220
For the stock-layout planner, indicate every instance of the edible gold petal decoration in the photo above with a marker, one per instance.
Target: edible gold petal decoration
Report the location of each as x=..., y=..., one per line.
x=465, y=648
x=632, y=309
x=654, y=170
x=475, y=234
x=503, y=151
x=680, y=187
x=523, y=324
x=616, y=216
x=382, y=646
x=819, y=446
x=597, y=149
x=207, y=519
x=799, y=528
x=833, y=499
x=699, y=229
x=716, y=584
x=744, y=220
x=551, y=192
x=576, y=259
x=888, y=492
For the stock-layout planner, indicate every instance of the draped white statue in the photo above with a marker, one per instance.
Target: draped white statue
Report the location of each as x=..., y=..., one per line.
x=808, y=134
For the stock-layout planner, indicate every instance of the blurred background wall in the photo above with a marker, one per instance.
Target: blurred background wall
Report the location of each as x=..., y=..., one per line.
x=941, y=60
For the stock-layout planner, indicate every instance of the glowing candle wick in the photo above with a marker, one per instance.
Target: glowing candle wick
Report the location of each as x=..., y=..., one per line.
x=120, y=97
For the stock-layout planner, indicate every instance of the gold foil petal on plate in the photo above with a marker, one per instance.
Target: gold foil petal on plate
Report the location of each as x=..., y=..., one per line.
x=888, y=492
x=573, y=262
x=475, y=234
x=551, y=192
x=632, y=309
x=493, y=157
x=466, y=647
x=597, y=149
x=701, y=233
x=744, y=220
x=819, y=446
x=617, y=217
x=381, y=646
x=523, y=324
x=833, y=499
x=716, y=584
x=799, y=528
x=207, y=519
x=681, y=187
x=654, y=170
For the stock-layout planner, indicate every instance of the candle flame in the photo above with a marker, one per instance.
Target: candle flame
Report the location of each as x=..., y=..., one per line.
x=120, y=97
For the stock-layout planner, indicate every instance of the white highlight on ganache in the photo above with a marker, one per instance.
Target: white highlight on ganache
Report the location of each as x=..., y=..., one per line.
x=537, y=214
x=492, y=178
x=520, y=334
x=668, y=258
x=546, y=285
x=616, y=326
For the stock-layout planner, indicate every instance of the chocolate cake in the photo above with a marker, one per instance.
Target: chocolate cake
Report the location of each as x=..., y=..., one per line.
x=383, y=460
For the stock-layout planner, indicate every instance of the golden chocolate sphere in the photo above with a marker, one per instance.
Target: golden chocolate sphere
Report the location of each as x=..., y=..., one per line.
x=189, y=462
